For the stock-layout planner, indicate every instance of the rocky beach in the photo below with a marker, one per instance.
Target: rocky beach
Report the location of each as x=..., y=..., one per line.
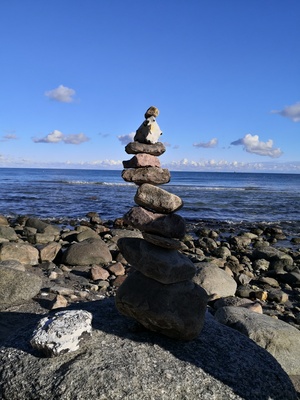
x=253, y=282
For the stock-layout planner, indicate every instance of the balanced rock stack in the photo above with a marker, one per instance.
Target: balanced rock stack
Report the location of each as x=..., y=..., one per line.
x=159, y=292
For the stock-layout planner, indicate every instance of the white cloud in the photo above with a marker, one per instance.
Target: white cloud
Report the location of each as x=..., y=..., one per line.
x=62, y=94
x=77, y=138
x=292, y=112
x=252, y=144
x=57, y=137
x=9, y=136
x=125, y=139
x=207, y=145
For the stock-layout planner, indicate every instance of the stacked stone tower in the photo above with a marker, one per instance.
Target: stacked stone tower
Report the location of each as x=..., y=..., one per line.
x=159, y=292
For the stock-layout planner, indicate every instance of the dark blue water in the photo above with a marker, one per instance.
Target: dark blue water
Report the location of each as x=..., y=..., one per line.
x=231, y=197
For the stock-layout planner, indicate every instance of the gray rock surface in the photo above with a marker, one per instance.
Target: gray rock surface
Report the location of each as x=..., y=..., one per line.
x=119, y=362
x=142, y=160
x=176, y=311
x=17, y=286
x=277, y=337
x=157, y=199
x=7, y=233
x=164, y=265
x=214, y=280
x=156, y=149
x=61, y=332
x=153, y=175
x=22, y=252
x=87, y=252
x=168, y=225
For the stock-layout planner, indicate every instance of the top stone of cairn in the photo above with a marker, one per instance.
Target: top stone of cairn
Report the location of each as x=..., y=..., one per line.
x=149, y=131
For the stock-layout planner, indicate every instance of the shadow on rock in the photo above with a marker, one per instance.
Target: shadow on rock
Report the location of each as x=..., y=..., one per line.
x=123, y=359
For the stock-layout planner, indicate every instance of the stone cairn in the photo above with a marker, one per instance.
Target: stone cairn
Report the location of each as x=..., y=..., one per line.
x=159, y=292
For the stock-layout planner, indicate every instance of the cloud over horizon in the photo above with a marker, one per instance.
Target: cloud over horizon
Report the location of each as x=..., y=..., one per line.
x=292, y=112
x=57, y=137
x=252, y=144
x=125, y=139
x=61, y=94
x=207, y=145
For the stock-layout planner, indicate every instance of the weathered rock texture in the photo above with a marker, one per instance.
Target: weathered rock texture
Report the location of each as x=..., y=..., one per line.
x=121, y=363
x=17, y=286
x=279, y=338
x=62, y=332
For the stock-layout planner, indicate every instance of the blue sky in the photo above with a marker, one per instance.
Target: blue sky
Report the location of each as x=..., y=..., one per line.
x=78, y=75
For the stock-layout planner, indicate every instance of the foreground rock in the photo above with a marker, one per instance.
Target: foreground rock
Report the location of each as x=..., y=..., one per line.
x=62, y=332
x=278, y=337
x=17, y=286
x=120, y=363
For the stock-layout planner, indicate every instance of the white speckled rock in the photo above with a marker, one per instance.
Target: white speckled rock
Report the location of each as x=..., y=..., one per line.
x=62, y=332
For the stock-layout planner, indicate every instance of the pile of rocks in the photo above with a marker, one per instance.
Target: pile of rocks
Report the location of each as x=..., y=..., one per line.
x=159, y=292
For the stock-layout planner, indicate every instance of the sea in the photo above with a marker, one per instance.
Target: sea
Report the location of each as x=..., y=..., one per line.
x=64, y=194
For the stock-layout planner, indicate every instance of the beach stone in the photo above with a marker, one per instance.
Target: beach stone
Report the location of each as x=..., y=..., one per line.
x=214, y=280
x=87, y=252
x=17, y=287
x=278, y=295
x=22, y=252
x=157, y=199
x=98, y=273
x=261, y=264
x=222, y=252
x=62, y=332
x=156, y=149
x=49, y=251
x=13, y=264
x=170, y=225
x=277, y=337
x=8, y=233
x=177, y=311
x=41, y=226
x=3, y=221
x=148, y=132
x=163, y=265
x=240, y=241
x=291, y=278
x=219, y=364
x=59, y=302
x=117, y=269
x=152, y=112
x=142, y=160
x=167, y=243
x=43, y=238
x=272, y=254
x=153, y=175
x=87, y=234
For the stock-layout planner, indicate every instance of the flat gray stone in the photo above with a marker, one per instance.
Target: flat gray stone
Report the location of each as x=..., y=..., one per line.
x=154, y=175
x=164, y=265
x=156, y=149
x=157, y=199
